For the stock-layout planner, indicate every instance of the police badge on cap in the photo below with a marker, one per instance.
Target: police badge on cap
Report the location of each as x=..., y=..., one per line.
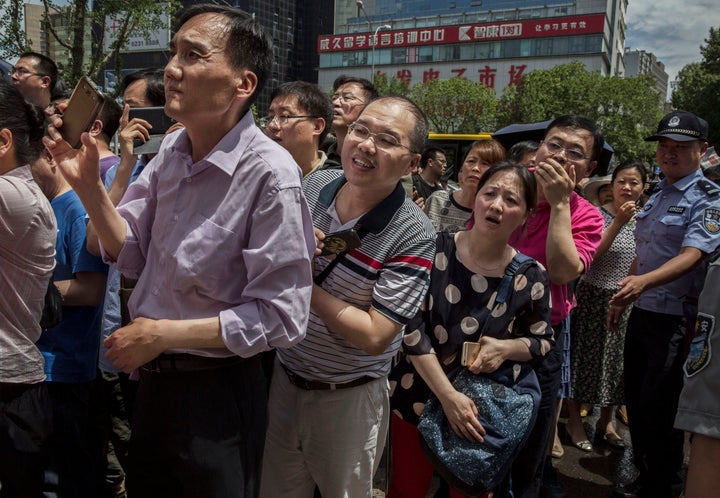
x=681, y=126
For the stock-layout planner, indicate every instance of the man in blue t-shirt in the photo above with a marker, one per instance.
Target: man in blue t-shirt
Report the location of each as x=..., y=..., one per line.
x=70, y=348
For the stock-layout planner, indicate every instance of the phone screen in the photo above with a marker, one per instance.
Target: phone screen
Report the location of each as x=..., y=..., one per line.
x=156, y=116
x=82, y=110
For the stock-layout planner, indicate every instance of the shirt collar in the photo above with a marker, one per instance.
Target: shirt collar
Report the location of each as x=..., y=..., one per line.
x=378, y=217
x=226, y=152
x=684, y=183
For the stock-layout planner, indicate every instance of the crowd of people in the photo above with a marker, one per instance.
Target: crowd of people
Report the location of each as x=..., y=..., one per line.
x=211, y=343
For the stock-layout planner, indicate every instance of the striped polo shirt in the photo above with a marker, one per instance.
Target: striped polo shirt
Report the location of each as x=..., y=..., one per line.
x=390, y=271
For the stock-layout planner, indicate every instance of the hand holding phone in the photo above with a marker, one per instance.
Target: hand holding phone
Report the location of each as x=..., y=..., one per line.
x=81, y=112
x=342, y=241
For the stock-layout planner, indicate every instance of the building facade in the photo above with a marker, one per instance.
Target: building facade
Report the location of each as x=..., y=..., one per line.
x=640, y=62
x=293, y=25
x=494, y=42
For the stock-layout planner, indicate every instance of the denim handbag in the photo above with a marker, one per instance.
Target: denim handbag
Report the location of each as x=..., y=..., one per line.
x=507, y=401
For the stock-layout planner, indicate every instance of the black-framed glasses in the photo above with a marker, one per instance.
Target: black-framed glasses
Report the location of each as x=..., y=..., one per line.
x=281, y=119
x=22, y=72
x=571, y=154
x=347, y=98
x=382, y=141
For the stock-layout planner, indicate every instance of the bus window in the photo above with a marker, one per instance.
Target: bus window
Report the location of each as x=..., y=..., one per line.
x=455, y=146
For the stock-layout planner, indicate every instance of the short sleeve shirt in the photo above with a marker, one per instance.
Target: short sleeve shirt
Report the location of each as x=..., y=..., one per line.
x=455, y=311
x=684, y=214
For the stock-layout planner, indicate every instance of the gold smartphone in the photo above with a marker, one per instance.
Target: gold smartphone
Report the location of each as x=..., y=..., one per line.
x=469, y=351
x=81, y=112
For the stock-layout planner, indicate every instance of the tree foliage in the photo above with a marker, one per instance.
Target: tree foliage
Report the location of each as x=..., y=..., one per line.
x=71, y=23
x=626, y=109
x=392, y=85
x=457, y=105
x=697, y=88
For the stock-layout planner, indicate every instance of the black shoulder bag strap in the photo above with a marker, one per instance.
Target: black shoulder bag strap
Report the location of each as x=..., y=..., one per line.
x=361, y=232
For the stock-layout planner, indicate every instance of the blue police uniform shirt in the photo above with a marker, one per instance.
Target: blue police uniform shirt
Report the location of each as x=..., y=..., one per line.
x=684, y=214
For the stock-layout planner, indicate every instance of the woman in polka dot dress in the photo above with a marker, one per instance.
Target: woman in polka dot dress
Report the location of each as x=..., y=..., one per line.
x=467, y=271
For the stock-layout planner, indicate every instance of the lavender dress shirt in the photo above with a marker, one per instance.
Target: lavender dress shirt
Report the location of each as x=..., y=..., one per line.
x=228, y=236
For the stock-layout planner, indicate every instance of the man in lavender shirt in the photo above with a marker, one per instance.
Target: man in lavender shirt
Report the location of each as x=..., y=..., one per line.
x=217, y=231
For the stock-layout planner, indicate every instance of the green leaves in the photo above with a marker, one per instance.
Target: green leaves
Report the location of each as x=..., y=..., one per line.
x=697, y=88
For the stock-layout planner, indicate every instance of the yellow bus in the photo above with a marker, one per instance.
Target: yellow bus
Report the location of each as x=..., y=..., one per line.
x=455, y=146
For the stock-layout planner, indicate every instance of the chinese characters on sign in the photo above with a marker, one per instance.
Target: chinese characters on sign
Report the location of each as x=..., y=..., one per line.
x=485, y=74
x=561, y=26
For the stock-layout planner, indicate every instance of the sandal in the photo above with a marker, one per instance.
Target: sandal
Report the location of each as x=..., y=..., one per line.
x=614, y=440
x=583, y=445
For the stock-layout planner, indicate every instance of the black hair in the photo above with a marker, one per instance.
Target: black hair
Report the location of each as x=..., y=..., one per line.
x=526, y=178
x=248, y=44
x=311, y=100
x=109, y=116
x=25, y=121
x=366, y=85
x=640, y=167
x=430, y=153
x=60, y=90
x=518, y=151
x=574, y=121
x=419, y=132
x=154, y=85
x=44, y=65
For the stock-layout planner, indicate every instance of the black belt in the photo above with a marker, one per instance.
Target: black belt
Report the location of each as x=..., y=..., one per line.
x=183, y=362
x=316, y=385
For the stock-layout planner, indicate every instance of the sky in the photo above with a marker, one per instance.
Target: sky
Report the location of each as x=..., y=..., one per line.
x=672, y=30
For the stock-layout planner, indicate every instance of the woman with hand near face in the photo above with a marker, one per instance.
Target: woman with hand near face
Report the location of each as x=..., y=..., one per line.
x=597, y=353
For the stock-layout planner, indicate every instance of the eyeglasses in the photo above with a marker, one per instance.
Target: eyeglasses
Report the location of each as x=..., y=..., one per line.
x=280, y=119
x=382, y=141
x=22, y=72
x=347, y=98
x=572, y=154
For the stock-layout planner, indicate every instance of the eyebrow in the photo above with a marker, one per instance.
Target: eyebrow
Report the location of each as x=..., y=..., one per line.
x=566, y=144
x=387, y=131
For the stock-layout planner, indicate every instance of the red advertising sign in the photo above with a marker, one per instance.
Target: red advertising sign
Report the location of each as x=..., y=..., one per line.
x=536, y=28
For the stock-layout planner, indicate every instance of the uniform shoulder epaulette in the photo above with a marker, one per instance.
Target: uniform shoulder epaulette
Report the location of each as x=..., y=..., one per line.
x=710, y=188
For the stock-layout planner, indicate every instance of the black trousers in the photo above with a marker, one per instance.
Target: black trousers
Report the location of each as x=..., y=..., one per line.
x=654, y=355
x=25, y=424
x=198, y=433
x=527, y=468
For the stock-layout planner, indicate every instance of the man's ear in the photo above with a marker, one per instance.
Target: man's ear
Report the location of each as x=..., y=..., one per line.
x=319, y=126
x=589, y=171
x=6, y=142
x=247, y=85
x=96, y=128
x=413, y=164
x=46, y=82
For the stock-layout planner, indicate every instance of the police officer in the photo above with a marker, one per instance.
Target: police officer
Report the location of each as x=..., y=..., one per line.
x=699, y=409
x=675, y=232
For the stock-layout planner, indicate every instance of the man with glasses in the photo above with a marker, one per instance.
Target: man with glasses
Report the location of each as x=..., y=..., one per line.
x=349, y=98
x=432, y=167
x=563, y=234
x=299, y=119
x=35, y=75
x=329, y=404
